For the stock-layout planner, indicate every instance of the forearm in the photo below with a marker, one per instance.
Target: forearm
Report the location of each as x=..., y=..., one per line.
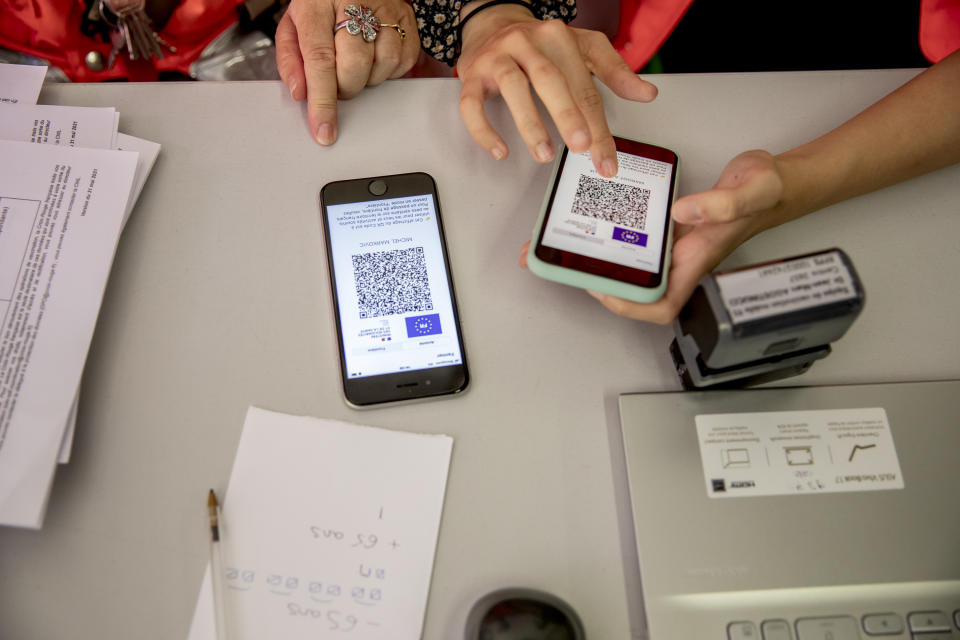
x=912, y=131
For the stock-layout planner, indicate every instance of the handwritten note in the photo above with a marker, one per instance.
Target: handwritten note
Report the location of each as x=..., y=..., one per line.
x=329, y=531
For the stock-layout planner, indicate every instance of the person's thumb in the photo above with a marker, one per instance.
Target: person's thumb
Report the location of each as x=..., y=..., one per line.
x=748, y=185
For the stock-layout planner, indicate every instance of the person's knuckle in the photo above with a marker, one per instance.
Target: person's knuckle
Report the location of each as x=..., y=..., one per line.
x=389, y=58
x=323, y=102
x=469, y=102
x=353, y=69
x=320, y=53
x=729, y=211
x=285, y=60
x=589, y=99
x=545, y=70
x=553, y=29
x=530, y=126
x=570, y=116
x=514, y=37
x=597, y=43
x=507, y=75
x=409, y=59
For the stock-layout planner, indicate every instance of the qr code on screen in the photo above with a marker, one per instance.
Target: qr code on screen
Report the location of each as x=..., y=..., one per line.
x=391, y=282
x=611, y=201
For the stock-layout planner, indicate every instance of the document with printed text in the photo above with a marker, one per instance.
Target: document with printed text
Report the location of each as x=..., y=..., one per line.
x=61, y=212
x=20, y=83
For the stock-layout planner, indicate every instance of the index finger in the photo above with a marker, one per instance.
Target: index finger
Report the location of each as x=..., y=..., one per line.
x=315, y=27
x=568, y=55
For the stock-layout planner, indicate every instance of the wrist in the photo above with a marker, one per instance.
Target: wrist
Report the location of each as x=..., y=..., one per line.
x=804, y=189
x=478, y=20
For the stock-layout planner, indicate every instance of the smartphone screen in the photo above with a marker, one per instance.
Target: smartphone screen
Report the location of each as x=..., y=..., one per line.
x=396, y=314
x=612, y=227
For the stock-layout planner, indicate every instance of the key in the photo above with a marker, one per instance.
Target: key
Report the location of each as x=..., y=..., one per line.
x=136, y=29
x=125, y=29
x=144, y=39
x=136, y=34
x=117, y=44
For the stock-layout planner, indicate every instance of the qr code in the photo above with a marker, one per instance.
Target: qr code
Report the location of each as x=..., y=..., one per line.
x=391, y=282
x=611, y=201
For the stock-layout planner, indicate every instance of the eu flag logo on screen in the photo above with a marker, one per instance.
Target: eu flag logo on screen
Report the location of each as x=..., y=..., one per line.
x=629, y=236
x=427, y=325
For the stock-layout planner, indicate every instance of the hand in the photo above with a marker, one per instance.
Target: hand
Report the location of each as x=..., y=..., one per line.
x=318, y=65
x=505, y=50
x=709, y=226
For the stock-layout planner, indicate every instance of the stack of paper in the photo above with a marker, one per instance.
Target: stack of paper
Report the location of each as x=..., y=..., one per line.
x=68, y=181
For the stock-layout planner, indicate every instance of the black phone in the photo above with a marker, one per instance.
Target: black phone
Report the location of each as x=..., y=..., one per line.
x=398, y=327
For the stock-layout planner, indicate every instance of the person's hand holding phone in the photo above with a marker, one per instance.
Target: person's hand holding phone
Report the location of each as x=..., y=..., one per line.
x=505, y=50
x=709, y=226
x=319, y=65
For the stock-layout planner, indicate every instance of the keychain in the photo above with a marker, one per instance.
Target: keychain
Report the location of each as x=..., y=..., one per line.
x=132, y=31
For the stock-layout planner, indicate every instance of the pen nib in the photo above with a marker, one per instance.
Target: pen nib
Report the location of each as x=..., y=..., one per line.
x=213, y=510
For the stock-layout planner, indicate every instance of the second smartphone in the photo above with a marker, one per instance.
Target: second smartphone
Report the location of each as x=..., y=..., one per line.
x=398, y=327
x=611, y=235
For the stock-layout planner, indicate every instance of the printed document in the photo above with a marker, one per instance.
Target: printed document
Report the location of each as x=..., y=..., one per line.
x=92, y=127
x=328, y=530
x=20, y=83
x=61, y=212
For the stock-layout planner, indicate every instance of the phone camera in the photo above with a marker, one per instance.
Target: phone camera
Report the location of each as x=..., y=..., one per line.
x=377, y=187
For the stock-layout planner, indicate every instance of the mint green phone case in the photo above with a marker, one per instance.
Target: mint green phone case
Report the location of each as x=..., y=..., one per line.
x=588, y=280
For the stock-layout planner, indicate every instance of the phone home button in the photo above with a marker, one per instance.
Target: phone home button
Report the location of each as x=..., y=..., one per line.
x=377, y=187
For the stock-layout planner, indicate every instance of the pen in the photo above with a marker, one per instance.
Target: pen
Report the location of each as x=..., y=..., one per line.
x=216, y=565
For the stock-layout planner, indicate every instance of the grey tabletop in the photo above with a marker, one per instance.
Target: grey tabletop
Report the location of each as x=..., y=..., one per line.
x=219, y=299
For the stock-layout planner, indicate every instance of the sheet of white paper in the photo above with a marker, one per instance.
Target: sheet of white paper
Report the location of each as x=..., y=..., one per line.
x=20, y=83
x=147, y=152
x=92, y=127
x=61, y=210
x=66, y=445
x=148, y=156
x=329, y=531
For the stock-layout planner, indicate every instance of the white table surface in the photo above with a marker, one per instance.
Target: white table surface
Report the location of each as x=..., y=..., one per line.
x=219, y=299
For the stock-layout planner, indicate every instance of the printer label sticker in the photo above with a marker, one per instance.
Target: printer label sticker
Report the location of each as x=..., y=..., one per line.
x=782, y=287
x=797, y=452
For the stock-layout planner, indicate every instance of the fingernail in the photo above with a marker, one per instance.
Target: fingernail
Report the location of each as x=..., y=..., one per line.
x=292, y=87
x=498, y=153
x=579, y=139
x=689, y=213
x=544, y=152
x=609, y=168
x=326, y=134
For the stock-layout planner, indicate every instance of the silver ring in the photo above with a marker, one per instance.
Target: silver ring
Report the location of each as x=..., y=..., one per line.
x=360, y=22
